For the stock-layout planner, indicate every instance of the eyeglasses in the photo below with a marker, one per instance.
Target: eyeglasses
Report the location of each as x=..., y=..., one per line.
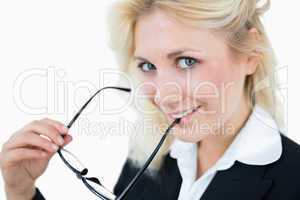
x=93, y=183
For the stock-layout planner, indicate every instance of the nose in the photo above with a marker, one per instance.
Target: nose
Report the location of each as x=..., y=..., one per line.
x=168, y=96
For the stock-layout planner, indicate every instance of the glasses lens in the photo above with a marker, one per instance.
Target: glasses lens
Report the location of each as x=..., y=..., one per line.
x=101, y=190
x=72, y=160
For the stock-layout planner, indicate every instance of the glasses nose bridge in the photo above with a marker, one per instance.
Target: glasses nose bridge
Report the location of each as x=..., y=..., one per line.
x=79, y=176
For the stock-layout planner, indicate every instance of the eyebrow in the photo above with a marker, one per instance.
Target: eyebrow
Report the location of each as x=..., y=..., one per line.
x=169, y=55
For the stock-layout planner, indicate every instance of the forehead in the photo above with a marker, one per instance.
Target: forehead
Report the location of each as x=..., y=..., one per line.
x=158, y=31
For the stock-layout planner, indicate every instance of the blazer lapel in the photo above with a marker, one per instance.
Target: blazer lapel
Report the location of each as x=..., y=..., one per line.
x=241, y=181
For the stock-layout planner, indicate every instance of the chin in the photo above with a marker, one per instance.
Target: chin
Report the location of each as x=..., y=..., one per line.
x=186, y=137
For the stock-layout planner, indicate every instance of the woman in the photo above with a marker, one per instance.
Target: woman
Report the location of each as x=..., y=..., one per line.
x=205, y=62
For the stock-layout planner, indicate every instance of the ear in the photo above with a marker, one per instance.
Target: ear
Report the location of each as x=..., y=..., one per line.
x=254, y=58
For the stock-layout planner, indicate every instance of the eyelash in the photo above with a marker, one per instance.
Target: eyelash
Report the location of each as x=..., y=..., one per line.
x=187, y=57
x=176, y=62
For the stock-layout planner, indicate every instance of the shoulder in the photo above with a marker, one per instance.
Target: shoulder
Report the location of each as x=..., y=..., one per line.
x=285, y=172
x=289, y=161
x=290, y=158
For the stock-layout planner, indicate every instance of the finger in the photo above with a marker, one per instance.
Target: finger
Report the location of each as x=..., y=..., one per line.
x=31, y=139
x=21, y=154
x=58, y=125
x=44, y=129
x=68, y=139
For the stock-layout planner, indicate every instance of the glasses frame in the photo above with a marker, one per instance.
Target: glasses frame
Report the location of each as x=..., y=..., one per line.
x=82, y=174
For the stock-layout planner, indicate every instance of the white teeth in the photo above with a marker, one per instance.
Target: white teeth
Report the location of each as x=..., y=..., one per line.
x=183, y=114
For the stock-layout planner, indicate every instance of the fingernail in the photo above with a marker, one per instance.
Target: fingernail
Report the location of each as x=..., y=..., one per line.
x=54, y=147
x=70, y=137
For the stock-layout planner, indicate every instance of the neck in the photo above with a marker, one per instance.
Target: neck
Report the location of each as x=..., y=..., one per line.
x=213, y=146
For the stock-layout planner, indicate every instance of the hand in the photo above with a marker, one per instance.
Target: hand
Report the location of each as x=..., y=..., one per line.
x=25, y=156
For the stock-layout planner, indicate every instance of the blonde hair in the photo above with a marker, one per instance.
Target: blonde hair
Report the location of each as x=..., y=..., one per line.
x=234, y=17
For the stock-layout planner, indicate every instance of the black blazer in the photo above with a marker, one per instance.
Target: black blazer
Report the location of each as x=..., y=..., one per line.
x=276, y=181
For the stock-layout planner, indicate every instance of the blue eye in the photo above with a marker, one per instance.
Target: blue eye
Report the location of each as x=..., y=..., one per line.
x=146, y=67
x=186, y=62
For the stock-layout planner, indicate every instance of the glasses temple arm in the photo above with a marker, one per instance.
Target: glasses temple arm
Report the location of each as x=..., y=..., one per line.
x=91, y=98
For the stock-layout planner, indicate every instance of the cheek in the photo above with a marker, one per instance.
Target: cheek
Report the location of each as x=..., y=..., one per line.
x=217, y=85
x=224, y=72
x=147, y=89
x=230, y=83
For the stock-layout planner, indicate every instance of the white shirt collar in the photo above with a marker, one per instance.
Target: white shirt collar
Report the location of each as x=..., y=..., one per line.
x=257, y=143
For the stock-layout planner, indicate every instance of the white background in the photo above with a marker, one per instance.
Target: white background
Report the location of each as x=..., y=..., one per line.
x=67, y=40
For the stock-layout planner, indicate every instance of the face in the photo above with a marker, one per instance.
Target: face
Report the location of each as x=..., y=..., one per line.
x=190, y=73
